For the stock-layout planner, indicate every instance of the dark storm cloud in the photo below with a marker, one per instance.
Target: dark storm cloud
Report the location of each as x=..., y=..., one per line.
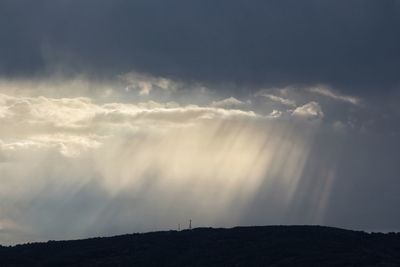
x=346, y=44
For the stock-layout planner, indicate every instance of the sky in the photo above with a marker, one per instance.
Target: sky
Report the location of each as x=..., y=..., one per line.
x=133, y=116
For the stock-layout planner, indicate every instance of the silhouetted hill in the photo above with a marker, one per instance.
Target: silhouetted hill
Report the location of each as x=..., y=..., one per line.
x=240, y=246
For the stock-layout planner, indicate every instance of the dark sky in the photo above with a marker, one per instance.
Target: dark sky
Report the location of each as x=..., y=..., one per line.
x=351, y=45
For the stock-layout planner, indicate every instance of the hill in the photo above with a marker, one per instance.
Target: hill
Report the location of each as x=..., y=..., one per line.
x=240, y=246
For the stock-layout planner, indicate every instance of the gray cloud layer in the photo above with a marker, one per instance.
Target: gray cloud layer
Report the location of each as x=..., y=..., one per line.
x=346, y=44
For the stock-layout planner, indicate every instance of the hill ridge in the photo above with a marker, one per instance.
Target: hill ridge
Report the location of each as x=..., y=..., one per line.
x=277, y=245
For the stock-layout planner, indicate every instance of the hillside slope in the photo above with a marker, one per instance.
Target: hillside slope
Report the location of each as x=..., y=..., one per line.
x=240, y=246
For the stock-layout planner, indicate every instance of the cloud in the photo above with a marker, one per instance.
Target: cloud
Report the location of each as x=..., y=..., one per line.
x=336, y=96
x=309, y=111
x=281, y=100
x=275, y=114
x=70, y=123
x=254, y=43
x=146, y=83
x=230, y=102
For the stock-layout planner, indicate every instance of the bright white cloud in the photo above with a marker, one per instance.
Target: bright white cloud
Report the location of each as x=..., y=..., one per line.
x=309, y=111
x=80, y=120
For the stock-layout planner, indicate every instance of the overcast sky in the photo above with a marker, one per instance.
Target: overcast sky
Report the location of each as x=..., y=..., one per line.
x=124, y=116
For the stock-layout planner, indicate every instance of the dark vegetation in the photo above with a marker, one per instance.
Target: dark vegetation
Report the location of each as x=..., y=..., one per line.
x=241, y=246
